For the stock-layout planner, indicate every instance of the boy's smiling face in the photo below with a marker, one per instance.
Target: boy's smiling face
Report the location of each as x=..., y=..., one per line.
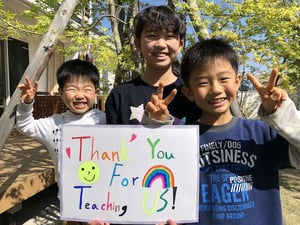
x=159, y=47
x=214, y=87
x=79, y=94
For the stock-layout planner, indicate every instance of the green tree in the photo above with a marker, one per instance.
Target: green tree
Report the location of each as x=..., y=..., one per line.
x=265, y=33
x=85, y=32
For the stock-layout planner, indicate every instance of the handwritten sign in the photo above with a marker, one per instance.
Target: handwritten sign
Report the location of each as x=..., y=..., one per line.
x=129, y=174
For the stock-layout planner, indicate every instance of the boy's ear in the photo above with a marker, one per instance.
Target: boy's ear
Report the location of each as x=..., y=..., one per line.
x=238, y=81
x=181, y=44
x=137, y=43
x=187, y=93
x=60, y=91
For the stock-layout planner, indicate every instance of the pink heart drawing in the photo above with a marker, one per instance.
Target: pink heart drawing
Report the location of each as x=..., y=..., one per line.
x=133, y=137
x=68, y=151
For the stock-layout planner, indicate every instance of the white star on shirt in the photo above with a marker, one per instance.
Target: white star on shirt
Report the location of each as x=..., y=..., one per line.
x=137, y=112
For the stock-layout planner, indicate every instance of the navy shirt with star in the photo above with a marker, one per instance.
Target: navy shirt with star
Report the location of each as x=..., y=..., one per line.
x=125, y=103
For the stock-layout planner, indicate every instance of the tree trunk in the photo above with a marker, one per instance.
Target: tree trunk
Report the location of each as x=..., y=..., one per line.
x=38, y=63
x=195, y=16
x=116, y=34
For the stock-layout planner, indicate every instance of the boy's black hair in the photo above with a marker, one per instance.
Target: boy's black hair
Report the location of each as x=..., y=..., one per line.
x=161, y=17
x=206, y=51
x=77, y=68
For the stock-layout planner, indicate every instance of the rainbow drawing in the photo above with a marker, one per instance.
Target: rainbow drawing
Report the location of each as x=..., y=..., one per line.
x=159, y=172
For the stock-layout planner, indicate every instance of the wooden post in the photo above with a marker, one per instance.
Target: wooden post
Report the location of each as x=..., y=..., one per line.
x=38, y=63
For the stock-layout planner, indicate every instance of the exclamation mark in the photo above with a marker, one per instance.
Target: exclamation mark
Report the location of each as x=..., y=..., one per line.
x=174, y=196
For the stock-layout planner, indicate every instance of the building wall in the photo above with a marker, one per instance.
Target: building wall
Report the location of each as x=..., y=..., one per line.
x=47, y=80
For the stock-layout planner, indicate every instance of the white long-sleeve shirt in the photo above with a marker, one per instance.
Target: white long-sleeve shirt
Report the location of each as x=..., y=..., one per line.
x=48, y=130
x=286, y=122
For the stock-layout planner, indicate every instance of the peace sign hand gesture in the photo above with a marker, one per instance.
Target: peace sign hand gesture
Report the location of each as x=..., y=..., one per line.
x=271, y=96
x=157, y=107
x=28, y=90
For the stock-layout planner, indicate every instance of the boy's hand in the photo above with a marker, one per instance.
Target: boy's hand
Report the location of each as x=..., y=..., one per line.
x=271, y=96
x=170, y=222
x=28, y=91
x=157, y=107
x=97, y=222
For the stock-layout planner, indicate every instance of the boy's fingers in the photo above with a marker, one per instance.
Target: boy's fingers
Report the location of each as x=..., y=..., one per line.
x=36, y=85
x=271, y=83
x=28, y=82
x=21, y=86
x=160, y=90
x=278, y=95
x=254, y=81
x=272, y=79
x=170, y=97
x=155, y=100
x=97, y=222
x=150, y=108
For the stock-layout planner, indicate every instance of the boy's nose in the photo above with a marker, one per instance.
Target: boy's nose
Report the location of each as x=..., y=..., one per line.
x=79, y=94
x=79, y=97
x=215, y=88
x=160, y=42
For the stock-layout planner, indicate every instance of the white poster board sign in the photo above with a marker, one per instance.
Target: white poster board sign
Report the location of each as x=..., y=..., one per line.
x=129, y=174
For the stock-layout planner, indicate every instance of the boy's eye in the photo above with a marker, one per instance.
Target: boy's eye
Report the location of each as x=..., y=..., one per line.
x=224, y=79
x=88, y=89
x=70, y=89
x=171, y=35
x=85, y=89
x=203, y=84
x=150, y=36
x=200, y=81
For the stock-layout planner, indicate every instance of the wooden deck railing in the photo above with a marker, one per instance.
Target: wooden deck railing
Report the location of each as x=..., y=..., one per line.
x=46, y=105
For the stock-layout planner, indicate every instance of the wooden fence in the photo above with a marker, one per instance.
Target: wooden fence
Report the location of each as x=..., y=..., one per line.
x=46, y=105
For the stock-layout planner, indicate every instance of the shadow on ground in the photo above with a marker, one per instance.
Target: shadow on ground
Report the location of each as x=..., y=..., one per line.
x=290, y=195
x=290, y=180
x=41, y=209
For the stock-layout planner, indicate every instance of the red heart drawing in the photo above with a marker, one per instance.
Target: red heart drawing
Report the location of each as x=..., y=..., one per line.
x=133, y=137
x=68, y=151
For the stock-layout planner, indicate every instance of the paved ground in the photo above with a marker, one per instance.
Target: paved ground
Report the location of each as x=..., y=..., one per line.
x=290, y=195
x=25, y=171
x=41, y=209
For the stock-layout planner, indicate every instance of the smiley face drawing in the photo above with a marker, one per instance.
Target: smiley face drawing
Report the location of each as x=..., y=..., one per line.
x=88, y=172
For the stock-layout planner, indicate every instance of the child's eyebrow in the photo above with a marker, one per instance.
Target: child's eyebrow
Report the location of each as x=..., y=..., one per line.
x=224, y=72
x=151, y=29
x=201, y=76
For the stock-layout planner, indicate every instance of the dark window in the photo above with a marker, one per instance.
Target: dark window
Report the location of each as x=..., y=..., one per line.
x=18, y=62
